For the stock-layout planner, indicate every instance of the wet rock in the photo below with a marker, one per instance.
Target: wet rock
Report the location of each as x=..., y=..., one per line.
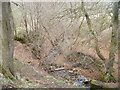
x=81, y=82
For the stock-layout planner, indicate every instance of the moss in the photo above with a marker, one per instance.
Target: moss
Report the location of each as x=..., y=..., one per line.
x=95, y=86
x=105, y=77
x=101, y=76
x=98, y=84
x=108, y=77
x=20, y=39
x=0, y=67
x=8, y=74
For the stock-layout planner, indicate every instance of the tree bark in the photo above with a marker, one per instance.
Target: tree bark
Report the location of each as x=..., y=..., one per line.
x=25, y=21
x=0, y=33
x=7, y=40
x=108, y=77
x=92, y=32
x=113, y=46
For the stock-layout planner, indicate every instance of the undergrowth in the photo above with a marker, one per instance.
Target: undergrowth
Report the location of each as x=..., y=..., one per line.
x=20, y=39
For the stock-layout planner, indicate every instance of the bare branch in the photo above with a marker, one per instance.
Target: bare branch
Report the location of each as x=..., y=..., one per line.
x=92, y=32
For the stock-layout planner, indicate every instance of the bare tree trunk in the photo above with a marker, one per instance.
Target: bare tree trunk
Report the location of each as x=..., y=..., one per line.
x=15, y=33
x=113, y=46
x=108, y=77
x=92, y=32
x=0, y=34
x=7, y=41
x=25, y=20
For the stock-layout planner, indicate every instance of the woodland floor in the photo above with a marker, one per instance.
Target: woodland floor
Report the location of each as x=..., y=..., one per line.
x=29, y=68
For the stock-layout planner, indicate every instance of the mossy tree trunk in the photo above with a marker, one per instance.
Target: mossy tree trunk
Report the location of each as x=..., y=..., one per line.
x=0, y=33
x=113, y=45
x=89, y=23
x=108, y=77
x=7, y=40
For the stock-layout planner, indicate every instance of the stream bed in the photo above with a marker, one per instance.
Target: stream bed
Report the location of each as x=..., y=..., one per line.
x=70, y=75
x=76, y=80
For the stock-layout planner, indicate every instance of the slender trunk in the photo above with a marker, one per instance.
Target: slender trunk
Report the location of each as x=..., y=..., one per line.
x=92, y=32
x=119, y=46
x=25, y=20
x=108, y=77
x=113, y=45
x=0, y=34
x=15, y=33
x=26, y=28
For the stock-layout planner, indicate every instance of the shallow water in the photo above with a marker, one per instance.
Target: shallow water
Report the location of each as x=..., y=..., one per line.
x=78, y=82
x=50, y=57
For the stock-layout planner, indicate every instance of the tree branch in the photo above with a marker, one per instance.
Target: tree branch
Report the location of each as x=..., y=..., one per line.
x=92, y=32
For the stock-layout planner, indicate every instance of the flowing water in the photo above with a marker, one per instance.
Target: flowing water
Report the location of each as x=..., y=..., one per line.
x=65, y=74
x=74, y=79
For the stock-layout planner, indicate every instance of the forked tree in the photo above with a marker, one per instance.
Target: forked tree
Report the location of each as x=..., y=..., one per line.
x=108, y=76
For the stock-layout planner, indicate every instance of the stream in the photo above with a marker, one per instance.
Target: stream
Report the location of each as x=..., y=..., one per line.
x=80, y=81
x=66, y=74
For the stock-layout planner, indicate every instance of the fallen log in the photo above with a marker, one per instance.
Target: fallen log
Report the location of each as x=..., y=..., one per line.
x=99, y=84
x=58, y=69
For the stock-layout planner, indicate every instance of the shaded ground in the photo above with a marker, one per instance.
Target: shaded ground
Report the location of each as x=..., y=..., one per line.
x=27, y=67
x=40, y=77
x=32, y=78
